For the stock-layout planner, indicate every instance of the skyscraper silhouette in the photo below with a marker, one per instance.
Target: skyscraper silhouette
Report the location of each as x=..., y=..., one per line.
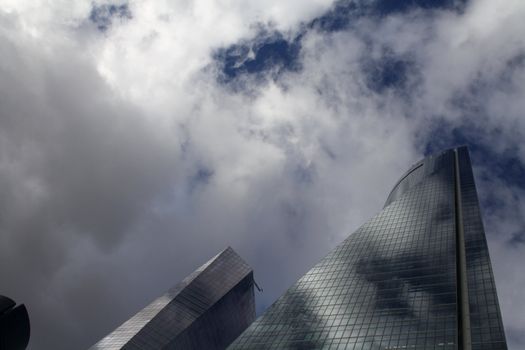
x=415, y=276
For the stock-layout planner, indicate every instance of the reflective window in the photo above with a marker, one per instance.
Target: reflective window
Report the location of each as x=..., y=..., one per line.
x=392, y=283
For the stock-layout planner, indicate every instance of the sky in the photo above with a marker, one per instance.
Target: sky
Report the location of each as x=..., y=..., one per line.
x=139, y=138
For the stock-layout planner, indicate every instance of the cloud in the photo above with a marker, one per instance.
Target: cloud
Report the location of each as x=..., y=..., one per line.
x=128, y=159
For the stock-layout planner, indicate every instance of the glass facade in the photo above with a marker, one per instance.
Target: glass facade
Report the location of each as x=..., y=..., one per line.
x=485, y=318
x=207, y=310
x=401, y=280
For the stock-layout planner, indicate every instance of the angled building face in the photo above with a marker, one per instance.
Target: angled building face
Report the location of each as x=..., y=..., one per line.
x=416, y=276
x=207, y=310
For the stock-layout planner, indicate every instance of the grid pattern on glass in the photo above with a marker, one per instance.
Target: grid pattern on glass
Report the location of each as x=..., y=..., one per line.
x=390, y=285
x=222, y=323
x=410, y=179
x=173, y=313
x=128, y=329
x=485, y=317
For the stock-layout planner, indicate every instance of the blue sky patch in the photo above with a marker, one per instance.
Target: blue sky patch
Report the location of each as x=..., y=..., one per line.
x=505, y=165
x=338, y=18
x=387, y=72
x=102, y=15
x=262, y=54
x=272, y=52
x=385, y=7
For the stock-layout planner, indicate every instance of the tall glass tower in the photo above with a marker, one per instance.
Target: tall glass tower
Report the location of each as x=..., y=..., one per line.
x=416, y=276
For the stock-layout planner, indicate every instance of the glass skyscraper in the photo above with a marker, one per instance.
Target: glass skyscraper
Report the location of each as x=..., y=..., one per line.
x=415, y=276
x=207, y=310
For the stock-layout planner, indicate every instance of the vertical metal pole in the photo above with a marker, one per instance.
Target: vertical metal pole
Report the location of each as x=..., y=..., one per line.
x=464, y=338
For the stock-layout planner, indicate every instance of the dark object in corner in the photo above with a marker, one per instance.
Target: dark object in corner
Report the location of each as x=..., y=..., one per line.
x=14, y=325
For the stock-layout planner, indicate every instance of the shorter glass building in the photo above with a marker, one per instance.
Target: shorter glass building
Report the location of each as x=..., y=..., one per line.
x=207, y=310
